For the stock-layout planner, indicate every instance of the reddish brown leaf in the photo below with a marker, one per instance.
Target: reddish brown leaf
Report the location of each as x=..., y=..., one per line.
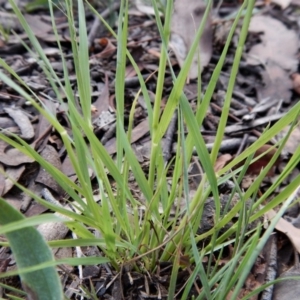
x=108, y=48
x=256, y=167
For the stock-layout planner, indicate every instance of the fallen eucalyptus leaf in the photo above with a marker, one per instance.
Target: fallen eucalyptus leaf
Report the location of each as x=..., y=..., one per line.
x=186, y=20
x=22, y=121
x=287, y=228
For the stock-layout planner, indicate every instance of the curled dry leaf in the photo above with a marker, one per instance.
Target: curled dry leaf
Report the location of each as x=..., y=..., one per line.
x=187, y=17
x=21, y=119
x=287, y=228
x=13, y=157
x=108, y=49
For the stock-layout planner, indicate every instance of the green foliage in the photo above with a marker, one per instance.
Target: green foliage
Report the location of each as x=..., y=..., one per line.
x=126, y=237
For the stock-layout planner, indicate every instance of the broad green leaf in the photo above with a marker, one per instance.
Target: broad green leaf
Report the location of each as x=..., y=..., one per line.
x=30, y=249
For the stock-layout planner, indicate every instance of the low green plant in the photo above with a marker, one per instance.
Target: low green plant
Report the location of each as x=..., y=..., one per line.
x=126, y=238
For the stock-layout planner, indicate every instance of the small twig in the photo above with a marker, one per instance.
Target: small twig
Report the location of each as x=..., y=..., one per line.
x=235, y=118
x=243, y=143
x=168, y=138
x=226, y=145
x=271, y=270
x=258, y=122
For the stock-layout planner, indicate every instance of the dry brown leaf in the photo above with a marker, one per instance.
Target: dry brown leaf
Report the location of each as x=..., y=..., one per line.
x=287, y=228
x=131, y=72
x=22, y=120
x=222, y=161
x=6, y=123
x=278, y=43
x=51, y=156
x=13, y=157
x=247, y=181
x=137, y=132
x=293, y=141
x=277, y=83
x=186, y=19
x=44, y=124
x=9, y=21
x=277, y=53
x=155, y=53
x=102, y=102
x=256, y=167
x=13, y=175
x=108, y=48
x=37, y=25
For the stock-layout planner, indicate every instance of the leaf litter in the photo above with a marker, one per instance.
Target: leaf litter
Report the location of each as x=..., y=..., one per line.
x=262, y=95
x=186, y=20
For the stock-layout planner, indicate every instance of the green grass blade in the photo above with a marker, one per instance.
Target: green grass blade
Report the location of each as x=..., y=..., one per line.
x=231, y=84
